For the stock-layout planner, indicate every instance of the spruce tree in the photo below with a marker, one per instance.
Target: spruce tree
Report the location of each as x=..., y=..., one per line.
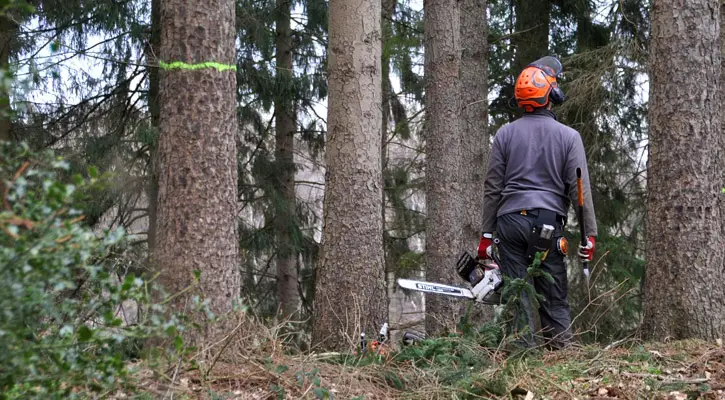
x=350, y=292
x=443, y=152
x=474, y=126
x=197, y=199
x=285, y=128
x=685, y=247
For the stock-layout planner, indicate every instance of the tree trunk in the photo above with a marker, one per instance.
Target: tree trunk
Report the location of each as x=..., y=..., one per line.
x=530, y=40
x=350, y=294
x=443, y=152
x=474, y=115
x=722, y=118
x=197, y=199
x=474, y=125
x=685, y=247
x=152, y=188
x=387, y=10
x=285, y=120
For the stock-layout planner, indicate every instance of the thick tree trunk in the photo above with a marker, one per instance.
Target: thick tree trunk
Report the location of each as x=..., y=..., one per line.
x=474, y=125
x=152, y=53
x=474, y=115
x=443, y=151
x=684, y=287
x=285, y=120
x=197, y=199
x=350, y=294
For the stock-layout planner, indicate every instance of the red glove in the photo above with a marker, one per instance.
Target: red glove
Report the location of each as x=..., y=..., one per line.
x=586, y=254
x=484, y=246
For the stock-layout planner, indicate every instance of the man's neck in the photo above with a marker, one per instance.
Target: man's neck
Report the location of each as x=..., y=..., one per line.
x=542, y=111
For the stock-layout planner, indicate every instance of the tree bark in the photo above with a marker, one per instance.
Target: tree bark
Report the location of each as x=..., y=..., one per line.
x=152, y=188
x=722, y=118
x=530, y=40
x=474, y=115
x=197, y=198
x=686, y=246
x=285, y=121
x=474, y=125
x=387, y=10
x=443, y=152
x=350, y=294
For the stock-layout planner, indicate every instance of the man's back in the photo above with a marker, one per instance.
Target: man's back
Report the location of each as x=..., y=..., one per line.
x=533, y=165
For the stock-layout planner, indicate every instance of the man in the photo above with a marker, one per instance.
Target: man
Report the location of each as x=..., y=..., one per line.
x=530, y=183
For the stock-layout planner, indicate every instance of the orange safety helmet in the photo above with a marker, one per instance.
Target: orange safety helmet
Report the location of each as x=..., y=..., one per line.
x=536, y=84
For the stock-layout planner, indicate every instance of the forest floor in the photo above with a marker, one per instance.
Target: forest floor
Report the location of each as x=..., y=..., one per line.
x=460, y=368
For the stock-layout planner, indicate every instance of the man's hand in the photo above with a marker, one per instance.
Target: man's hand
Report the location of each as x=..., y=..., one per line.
x=586, y=254
x=484, y=246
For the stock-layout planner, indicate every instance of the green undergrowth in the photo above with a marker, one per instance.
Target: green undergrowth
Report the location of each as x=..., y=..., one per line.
x=467, y=367
x=472, y=364
x=66, y=290
x=693, y=369
x=459, y=364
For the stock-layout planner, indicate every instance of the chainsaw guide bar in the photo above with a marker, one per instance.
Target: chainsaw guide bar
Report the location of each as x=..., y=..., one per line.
x=431, y=287
x=448, y=290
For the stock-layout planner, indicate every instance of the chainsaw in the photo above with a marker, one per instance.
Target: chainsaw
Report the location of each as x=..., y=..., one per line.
x=485, y=279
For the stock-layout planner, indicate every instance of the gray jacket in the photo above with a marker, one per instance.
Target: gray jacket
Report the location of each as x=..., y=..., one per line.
x=533, y=164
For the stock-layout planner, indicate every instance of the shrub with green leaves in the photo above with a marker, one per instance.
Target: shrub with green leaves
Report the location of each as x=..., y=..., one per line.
x=61, y=335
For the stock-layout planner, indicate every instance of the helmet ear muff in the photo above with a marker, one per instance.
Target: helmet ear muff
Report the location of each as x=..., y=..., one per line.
x=557, y=95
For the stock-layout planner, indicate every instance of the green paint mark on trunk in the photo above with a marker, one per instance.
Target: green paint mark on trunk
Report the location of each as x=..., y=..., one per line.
x=209, y=64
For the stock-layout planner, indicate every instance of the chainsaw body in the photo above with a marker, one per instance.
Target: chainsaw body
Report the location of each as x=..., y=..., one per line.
x=484, y=276
x=485, y=279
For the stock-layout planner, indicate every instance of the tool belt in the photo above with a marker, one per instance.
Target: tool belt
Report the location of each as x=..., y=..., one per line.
x=541, y=238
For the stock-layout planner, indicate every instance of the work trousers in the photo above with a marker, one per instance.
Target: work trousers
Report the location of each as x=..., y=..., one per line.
x=514, y=231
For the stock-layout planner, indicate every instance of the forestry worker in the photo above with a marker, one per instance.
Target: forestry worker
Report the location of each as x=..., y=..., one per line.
x=530, y=183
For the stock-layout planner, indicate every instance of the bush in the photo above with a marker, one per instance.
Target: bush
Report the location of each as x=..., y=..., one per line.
x=61, y=335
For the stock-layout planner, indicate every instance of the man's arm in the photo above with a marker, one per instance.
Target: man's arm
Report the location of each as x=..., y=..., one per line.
x=578, y=159
x=493, y=185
